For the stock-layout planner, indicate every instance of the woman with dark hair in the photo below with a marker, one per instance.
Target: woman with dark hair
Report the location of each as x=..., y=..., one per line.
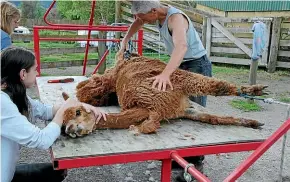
x=18, y=72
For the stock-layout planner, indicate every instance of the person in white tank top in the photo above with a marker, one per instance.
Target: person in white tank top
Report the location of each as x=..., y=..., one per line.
x=182, y=44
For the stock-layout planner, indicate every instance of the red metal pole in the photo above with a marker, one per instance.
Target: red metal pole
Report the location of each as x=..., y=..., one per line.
x=89, y=36
x=140, y=42
x=166, y=170
x=80, y=39
x=47, y=12
x=193, y=171
x=36, y=48
x=101, y=61
x=258, y=152
x=98, y=28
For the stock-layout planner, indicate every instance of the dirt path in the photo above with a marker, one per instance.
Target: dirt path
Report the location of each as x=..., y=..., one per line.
x=217, y=167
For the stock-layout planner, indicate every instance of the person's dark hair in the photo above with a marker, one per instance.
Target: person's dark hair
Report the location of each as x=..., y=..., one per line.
x=13, y=60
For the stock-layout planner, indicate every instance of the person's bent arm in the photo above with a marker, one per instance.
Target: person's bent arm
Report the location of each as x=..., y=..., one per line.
x=135, y=26
x=178, y=26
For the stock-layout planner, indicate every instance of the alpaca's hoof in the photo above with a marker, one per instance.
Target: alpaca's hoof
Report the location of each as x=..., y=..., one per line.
x=251, y=123
x=254, y=90
x=134, y=130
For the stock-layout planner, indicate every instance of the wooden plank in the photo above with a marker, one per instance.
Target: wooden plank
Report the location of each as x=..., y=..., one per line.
x=238, y=35
x=203, y=33
x=246, y=19
x=282, y=64
x=232, y=38
x=274, y=47
x=230, y=60
x=265, y=53
x=235, y=30
x=50, y=51
x=226, y=40
x=227, y=50
x=125, y=9
x=284, y=43
x=52, y=93
x=208, y=37
x=218, y=35
x=186, y=9
x=284, y=53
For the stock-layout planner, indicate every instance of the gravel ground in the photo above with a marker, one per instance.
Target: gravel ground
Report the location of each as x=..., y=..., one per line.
x=217, y=167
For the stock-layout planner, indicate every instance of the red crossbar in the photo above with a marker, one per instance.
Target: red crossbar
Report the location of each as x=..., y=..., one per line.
x=192, y=170
x=259, y=152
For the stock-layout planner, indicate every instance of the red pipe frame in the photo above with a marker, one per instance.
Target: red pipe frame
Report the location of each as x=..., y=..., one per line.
x=166, y=155
x=79, y=27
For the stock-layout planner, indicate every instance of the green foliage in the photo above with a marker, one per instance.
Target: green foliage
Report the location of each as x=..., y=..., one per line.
x=31, y=9
x=80, y=10
x=244, y=105
x=285, y=99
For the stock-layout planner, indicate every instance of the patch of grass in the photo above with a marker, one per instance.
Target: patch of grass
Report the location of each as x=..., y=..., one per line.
x=227, y=70
x=244, y=105
x=285, y=99
x=45, y=74
x=67, y=57
x=46, y=45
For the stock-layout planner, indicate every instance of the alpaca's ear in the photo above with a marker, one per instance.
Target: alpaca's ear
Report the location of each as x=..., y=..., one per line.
x=69, y=114
x=65, y=96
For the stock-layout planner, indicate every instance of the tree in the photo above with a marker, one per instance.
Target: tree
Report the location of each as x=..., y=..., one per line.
x=31, y=9
x=80, y=10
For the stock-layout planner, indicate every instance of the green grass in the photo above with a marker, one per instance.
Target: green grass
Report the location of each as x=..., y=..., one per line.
x=67, y=57
x=244, y=105
x=46, y=45
x=228, y=70
x=285, y=99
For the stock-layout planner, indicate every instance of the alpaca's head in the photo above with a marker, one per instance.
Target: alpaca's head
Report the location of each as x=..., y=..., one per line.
x=78, y=122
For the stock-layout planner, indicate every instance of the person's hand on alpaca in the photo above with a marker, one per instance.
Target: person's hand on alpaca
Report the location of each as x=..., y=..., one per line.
x=161, y=81
x=98, y=112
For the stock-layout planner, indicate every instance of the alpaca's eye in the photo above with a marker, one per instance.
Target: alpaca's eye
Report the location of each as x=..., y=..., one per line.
x=78, y=112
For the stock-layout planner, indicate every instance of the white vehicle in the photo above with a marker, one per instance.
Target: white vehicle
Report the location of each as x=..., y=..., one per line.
x=21, y=30
x=85, y=32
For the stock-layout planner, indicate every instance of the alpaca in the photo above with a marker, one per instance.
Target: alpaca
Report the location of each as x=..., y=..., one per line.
x=143, y=107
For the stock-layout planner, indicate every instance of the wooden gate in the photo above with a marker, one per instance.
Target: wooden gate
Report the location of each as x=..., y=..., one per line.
x=229, y=40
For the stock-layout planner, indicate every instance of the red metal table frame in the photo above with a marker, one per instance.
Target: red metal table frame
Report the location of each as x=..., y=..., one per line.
x=166, y=156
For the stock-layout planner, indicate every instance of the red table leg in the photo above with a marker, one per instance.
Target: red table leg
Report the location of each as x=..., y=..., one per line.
x=166, y=170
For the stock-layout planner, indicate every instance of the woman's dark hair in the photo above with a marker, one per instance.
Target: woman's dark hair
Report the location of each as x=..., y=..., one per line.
x=13, y=60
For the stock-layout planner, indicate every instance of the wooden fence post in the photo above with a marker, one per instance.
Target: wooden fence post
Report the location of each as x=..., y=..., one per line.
x=208, y=36
x=118, y=12
x=274, y=47
x=101, y=50
x=203, y=33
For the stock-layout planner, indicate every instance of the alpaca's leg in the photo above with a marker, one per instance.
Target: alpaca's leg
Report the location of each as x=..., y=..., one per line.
x=124, y=119
x=148, y=126
x=220, y=120
x=199, y=85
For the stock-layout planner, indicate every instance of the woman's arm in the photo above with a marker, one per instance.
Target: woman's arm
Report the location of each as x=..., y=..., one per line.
x=16, y=127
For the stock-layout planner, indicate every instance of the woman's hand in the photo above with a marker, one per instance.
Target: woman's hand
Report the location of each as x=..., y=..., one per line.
x=58, y=118
x=99, y=113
